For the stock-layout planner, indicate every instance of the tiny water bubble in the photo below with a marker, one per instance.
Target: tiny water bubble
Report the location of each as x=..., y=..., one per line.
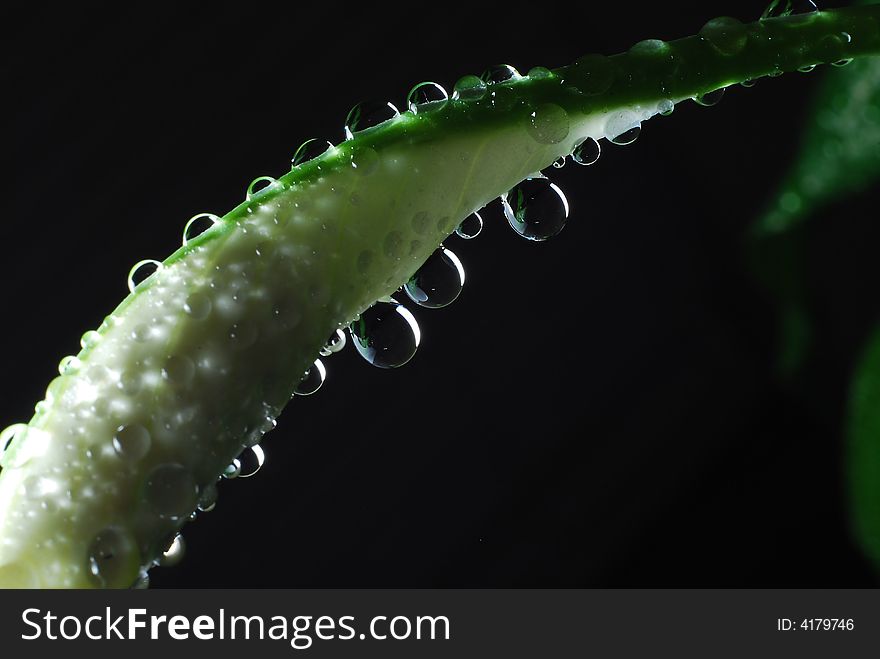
x=386, y=335
x=469, y=88
x=251, y=461
x=439, y=280
x=141, y=271
x=258, y=185
x=587, y=152
x=426, y=97
x=197, y=225
x=536, y=208
x=309, y=150
x=470, y=227
x=312, y=379
x=367, y=114
x=334, y=344
x=710, y=98
x=499, y=73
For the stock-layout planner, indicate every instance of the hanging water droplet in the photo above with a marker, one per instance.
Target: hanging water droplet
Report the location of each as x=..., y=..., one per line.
x=499, y=73
x=386, y=335
x=334, y=344
x=725, y=34
x=807, y=68
x=710, y=98
x=367, y=114
x=258, y=185
x=469, y=88
x=548, y=124
x=438, y=281
x=68, y=365
x=312, y=379
x=841, y=62
x=174, y=553
x=89, y=340
x=470, y=227
x=197, y=306
x=594, y=74
x=536, y=208
x=131, y=442
x=539, y=73
x=141, y=271
x=623, y=127
x=171, y=491
x=587, y=152
x=142, y=582
x=426, y=97
x=197, y=225
x=110, y=558
x=207, y=498
x=309, y=150
x=251, y=461
x=779, y=8
x=232, y=470
x=748, y=84
x=665, y=107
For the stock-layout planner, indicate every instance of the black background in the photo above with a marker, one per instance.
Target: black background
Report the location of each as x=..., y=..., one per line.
x=598, y=410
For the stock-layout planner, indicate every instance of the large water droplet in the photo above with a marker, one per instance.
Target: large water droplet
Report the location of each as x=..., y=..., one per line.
x=174, y=553
x=141, y=271
x=438, y=281
x=386, y=335
x=89, y=340
x=536, y=208
x=110, y=558
x=779, y=8
x=334, y=344
x=426, y=97
x=251, y=461
x=207, y=498
x=623, y=128
x=469, y=88
x=309, y=150
x=587, y=152
x=726, y=35
x=171, y=491
x=197, y=225
x=367, y=114
x=710, y=98
x=232, y=470
x=665, y=107
x=470, y=227
x=9, y=433
x=258, y=185
x=548, y=124
x=69, y=365
x=312, y=379
x=499, y=73
x=131, y=442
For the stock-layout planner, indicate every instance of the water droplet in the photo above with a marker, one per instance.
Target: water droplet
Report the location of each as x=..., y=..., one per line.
x=587, y=152
x=426, y=97
x=710, y=98
x=334, y=344
x=179, y=370
x=726, y=35
x=438, y=281
x=748, y=84
x=539, y=73
x=9, y=433
x=470, y=227
x=364, y=261
x=197, y=225
x=536, y=208
x=141, y=333
x=309, y=150
x=111, y=556
x=807, y=69
x=779, y=8
x=469, y=88
x=174, y=553
x=242, y=335
x=841, y=62
x=129, y=382
x=665, y=107
x=89, y=340
x=132, y=442
x=208, y=498
x=69, y=365
x=197, y=306
x=365, y=160
x=141, y=271
x=142, y=582
x=367, y=114
x=650, y=48
x=386, y=335
x=233, y=469
x=559, y=163
x=393, y=245
x=258, y=185
x=594, y=74
x=499, y=73
x=548, y=124
x=251, y=461
x=171, y=491
x=312, y=379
